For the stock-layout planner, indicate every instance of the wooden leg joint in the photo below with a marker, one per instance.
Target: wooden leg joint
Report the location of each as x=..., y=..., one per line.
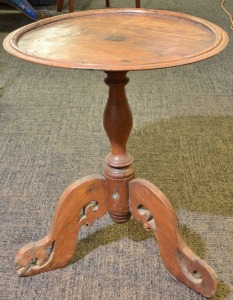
x=81, y=203
x=150, y=206
x=118, y=193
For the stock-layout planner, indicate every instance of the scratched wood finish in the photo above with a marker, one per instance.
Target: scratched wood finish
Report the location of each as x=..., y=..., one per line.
x=108, y=40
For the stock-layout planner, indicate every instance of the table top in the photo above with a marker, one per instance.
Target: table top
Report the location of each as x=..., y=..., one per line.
x=117, y=40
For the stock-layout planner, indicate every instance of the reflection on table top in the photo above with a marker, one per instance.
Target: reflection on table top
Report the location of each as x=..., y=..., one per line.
x=117, y=39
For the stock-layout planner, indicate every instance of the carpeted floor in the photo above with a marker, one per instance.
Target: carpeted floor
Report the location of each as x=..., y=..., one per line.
x=182, y=141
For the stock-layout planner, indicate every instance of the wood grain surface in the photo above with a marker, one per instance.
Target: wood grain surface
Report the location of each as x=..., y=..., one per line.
x=117, y=40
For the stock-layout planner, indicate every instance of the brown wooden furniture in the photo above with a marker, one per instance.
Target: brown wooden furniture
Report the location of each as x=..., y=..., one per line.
x=137, y=3
x=71, y=4
x=161, y=39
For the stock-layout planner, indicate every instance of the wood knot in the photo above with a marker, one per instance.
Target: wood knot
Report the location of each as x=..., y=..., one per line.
x=114, y=38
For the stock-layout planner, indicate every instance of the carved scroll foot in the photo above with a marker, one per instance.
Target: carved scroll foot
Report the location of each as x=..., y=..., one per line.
x=81, y=203
x=150, y=206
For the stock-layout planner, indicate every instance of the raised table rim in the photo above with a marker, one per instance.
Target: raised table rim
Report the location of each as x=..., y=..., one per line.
x=10, y=42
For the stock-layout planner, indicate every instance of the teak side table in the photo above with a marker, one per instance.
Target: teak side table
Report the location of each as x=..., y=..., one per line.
x=117, y=41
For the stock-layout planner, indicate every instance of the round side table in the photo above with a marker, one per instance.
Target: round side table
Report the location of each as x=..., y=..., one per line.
x=117, y=41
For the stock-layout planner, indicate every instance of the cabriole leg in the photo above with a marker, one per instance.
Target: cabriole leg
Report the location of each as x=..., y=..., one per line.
x=81, y=203
x=150, y=206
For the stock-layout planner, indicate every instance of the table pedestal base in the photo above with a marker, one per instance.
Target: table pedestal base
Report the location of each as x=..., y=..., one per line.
x=118, y=193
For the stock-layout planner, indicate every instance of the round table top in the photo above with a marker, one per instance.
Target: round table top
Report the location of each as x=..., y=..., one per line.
x=117, y=40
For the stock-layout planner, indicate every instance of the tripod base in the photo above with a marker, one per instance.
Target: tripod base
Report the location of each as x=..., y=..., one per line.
x=122, y=196
x=85, y=201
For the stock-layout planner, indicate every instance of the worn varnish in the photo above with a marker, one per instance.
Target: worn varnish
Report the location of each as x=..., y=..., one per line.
x=117, y=41
x=109, y=40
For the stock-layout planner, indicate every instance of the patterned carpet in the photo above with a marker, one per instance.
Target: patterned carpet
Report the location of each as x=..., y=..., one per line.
x=51, y=134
